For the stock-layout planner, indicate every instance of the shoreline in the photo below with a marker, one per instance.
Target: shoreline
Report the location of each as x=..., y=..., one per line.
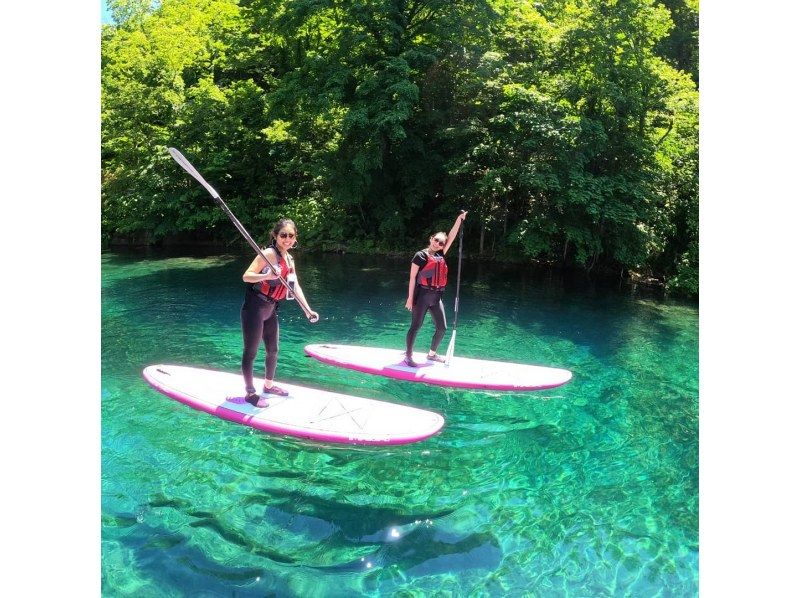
x=636, y=281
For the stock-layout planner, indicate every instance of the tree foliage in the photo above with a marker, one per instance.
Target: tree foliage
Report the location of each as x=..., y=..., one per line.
x=568, y=127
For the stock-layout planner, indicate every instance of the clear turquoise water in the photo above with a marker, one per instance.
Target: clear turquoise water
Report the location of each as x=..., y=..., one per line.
x=590, y=489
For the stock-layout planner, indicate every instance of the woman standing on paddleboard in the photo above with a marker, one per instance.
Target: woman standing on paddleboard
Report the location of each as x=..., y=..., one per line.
x=426, y=283
x=262, y=299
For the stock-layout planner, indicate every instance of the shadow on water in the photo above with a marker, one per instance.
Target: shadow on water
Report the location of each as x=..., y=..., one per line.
x=408, y=543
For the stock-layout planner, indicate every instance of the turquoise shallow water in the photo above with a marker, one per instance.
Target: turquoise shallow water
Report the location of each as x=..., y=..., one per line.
x=590, y=489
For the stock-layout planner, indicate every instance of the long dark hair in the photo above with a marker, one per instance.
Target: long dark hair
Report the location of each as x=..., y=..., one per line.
x=283, y=222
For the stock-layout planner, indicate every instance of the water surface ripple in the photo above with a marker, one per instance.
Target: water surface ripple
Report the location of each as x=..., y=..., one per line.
x=590, y=489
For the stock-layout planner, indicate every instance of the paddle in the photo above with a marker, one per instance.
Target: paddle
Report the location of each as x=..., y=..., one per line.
x=186, y=165
x=451, y=347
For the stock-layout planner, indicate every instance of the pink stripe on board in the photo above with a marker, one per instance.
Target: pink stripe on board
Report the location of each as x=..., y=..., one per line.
x=274, y=427
x=410, y=376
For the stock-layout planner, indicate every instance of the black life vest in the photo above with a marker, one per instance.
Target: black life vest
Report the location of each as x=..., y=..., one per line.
x=273, y=288
x=434, y=272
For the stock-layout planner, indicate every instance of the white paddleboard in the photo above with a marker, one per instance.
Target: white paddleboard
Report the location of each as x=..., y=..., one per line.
x=461, y=372
x=305, y=413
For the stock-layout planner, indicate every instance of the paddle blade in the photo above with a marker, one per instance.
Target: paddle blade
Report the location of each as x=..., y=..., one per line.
x=187, y=166
x=450, y=348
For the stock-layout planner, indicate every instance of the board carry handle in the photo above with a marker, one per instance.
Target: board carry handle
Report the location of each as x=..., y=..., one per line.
x=187, y=166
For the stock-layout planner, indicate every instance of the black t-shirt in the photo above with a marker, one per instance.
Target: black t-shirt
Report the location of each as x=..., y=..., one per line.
x=421, y=257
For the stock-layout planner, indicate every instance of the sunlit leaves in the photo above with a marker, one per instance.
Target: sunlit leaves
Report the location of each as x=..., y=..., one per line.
x=567, y=127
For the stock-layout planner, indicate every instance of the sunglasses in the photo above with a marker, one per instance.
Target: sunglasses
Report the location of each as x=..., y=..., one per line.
x=284, y=235
x=439, y=241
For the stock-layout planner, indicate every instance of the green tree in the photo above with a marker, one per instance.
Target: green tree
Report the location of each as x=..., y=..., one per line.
x=568, y=127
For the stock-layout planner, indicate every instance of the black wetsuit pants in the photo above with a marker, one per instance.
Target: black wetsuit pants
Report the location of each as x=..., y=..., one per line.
x=259, y=323
x=427, y=299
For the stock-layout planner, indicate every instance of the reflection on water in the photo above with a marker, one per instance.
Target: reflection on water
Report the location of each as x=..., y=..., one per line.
x=589, y=489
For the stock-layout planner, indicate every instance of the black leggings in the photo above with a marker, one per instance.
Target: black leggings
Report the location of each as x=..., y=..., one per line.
x=259, y=322
x=427, y=299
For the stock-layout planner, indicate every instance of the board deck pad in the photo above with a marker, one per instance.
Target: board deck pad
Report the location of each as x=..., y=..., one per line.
x=462, y=372
x=306, y=413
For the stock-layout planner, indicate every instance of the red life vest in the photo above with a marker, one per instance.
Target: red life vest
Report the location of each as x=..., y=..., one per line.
x=273, y=288
x=434, y=272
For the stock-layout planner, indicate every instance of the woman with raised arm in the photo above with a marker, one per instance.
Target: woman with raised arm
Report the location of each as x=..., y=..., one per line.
x=426, y=282
x=259, y=314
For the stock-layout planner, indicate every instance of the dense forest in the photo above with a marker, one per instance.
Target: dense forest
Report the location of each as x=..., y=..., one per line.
x=568, y=128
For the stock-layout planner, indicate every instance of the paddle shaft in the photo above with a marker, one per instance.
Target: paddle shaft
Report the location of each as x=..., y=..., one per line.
x=451, y=347
x=187, y=166
x=458, y=275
